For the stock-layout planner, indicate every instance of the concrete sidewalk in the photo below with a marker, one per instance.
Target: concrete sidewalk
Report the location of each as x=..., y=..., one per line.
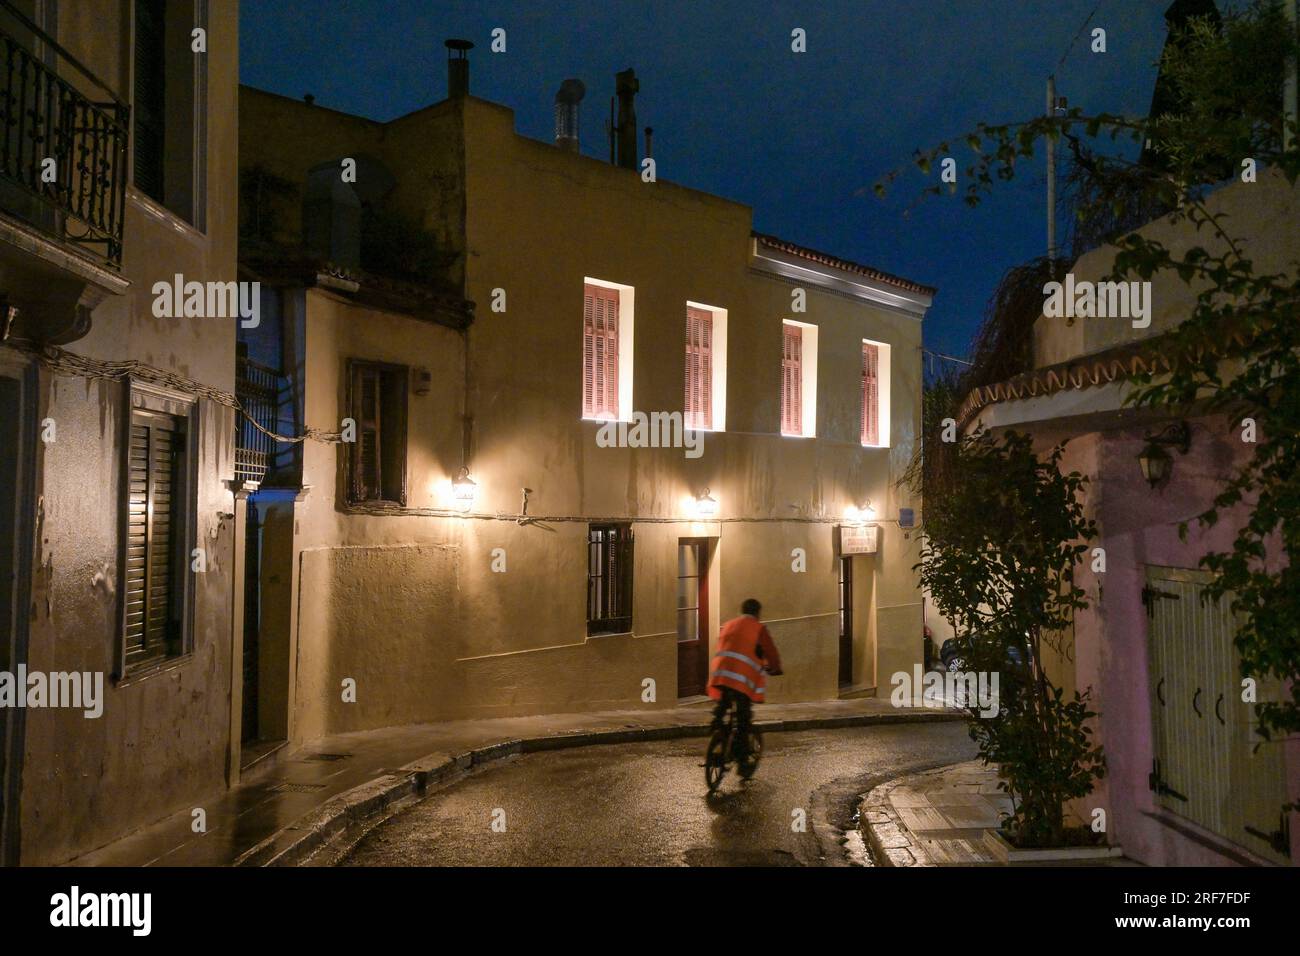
x=308, y=798
x=938, y=818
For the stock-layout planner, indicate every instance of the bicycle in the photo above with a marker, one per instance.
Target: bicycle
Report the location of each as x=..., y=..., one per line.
x=722, y=749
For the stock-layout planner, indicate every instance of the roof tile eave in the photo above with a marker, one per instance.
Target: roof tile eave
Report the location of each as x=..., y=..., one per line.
x=825, y=258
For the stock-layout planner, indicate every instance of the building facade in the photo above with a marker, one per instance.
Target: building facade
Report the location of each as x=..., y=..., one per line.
x=592, y=413
x=116, y=516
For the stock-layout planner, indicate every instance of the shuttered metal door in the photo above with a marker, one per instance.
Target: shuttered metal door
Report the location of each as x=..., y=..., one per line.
x=154, y=559
x=1207, y=766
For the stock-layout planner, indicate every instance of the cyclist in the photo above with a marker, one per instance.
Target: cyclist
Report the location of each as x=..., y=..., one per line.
x=745, y=650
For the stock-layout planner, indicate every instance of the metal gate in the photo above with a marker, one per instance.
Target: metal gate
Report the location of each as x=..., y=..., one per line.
x=1207, y=766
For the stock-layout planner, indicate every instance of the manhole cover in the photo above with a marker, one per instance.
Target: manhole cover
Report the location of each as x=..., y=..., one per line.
x=297, y=787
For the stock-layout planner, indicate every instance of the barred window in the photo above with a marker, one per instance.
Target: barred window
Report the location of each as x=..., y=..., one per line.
x=609, y=578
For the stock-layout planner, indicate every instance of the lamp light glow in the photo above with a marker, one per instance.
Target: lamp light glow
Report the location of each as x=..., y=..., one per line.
x=706, y=506
x=464, y=489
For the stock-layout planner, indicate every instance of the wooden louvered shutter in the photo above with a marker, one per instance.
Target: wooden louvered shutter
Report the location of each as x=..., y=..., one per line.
x=155, y=554
x=367, y=455
x=792, y=381
x=699, y=368
x=150, y=106
x=600, y=353
x=870, y=394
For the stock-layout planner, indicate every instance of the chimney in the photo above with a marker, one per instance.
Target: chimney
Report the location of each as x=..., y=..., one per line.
x=458, y=67
x=566, y=114
x=626, y=85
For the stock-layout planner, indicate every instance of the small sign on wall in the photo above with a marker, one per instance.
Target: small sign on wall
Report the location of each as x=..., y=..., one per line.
x=857, y=539
x=906, y=518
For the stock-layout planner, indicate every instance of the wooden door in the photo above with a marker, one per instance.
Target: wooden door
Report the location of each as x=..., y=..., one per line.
x=846, y=621
x=1209, y=764
x=692, y=617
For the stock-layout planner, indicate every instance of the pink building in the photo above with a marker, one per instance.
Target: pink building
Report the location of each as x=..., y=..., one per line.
x=1186, y=783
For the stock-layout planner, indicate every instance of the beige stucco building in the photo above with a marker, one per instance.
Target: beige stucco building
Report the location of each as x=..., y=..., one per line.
x=118, y=427
x=483, y=305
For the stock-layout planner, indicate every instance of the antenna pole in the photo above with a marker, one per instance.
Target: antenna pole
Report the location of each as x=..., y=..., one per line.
x=1051, y=179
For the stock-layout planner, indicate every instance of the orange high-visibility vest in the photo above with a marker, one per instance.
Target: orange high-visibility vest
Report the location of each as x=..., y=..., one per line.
x=738, y=663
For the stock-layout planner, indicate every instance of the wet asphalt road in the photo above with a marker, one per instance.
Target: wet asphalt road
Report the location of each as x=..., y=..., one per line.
x=646, y=804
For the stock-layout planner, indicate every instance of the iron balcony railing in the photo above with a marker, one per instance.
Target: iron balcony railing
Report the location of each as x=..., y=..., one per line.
x=46, y=118
x=258, y=390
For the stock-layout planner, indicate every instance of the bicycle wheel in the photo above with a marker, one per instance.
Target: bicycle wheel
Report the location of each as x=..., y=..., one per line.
x=750, y=763
x=715, y=759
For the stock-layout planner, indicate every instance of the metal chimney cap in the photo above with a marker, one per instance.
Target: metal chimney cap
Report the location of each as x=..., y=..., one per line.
x=571, y=91
x=462, y=45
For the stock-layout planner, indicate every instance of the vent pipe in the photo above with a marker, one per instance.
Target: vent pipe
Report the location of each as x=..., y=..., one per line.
x=567, y=99
x=458, y=67
x=626, y=86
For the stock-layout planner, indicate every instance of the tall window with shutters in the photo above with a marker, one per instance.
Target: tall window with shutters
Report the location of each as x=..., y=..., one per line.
x=609, y=578
x=792, y=380
x=600, y=358
x=377, y=459
x=156, y=566
x=874, y=394
x=699, y=368
x=870, y=394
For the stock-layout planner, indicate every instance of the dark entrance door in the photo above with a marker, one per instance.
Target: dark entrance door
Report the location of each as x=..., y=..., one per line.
x=692, y=617
x=846, y=621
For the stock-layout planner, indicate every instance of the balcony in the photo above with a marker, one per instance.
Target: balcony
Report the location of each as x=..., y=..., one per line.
x=259, y=390
x=63, y=170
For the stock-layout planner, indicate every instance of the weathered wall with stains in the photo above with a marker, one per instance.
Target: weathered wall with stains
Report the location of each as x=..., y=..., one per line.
x=161, y=743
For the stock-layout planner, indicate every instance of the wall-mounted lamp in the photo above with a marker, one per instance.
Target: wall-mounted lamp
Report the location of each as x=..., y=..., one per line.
x=463, y=489
x=706, y=506
x=855, y=515
x=1155, y=462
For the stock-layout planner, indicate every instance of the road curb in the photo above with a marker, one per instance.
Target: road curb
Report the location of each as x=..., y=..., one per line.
x=888, y=836
x=343, y=819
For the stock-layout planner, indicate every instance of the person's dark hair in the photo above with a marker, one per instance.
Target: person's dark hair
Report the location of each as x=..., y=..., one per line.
x=751, y=607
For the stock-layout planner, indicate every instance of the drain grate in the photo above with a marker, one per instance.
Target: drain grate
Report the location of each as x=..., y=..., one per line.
x=297, y=787
x=326, y=756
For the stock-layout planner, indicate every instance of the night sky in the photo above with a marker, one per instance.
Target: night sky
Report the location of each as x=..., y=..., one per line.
x=799, y=137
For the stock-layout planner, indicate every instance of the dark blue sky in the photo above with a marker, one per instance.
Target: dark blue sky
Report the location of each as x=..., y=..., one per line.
x=736, y=113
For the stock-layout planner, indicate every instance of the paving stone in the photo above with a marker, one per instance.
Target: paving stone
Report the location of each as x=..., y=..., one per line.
x=900, y=857
x=970, y=818
x=922, y=818
x=951, y=798
x=907, y=797
x=890, y=836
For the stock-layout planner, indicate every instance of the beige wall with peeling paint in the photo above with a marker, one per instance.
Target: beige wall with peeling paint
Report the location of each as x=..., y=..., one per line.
x=161, y=744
